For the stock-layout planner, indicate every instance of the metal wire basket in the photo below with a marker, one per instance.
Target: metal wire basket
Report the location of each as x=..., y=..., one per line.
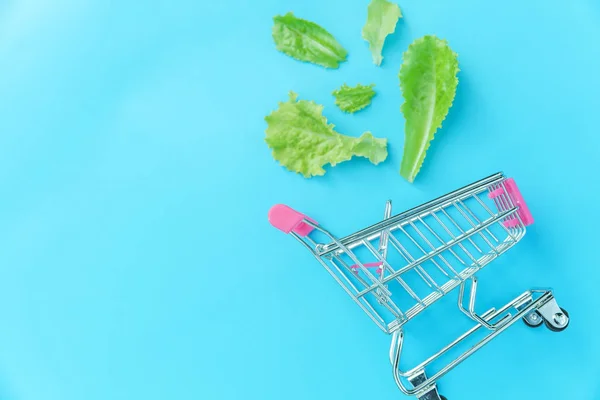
x=402, y=265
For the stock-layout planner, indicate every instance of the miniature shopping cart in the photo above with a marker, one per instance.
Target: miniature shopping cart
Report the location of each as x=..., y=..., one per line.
x=402, y=265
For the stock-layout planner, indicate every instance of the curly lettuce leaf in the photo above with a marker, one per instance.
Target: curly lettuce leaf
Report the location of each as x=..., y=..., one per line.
x=303, y=142
x=351, y=99
x=382, y=17
x=428, y=79
x=306, y=41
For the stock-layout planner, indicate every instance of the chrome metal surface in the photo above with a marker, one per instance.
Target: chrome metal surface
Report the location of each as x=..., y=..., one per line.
x=534, y=319
x=430, y=392
x=423, y=253
x=403, y=378
x=400, y=266
x=439, y=202
x=553, y=314
x=471, y=311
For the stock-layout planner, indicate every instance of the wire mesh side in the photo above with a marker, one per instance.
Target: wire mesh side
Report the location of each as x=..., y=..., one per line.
x=427, y=256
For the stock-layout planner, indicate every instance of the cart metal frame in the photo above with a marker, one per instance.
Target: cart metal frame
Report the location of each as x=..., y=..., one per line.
x=399, y=267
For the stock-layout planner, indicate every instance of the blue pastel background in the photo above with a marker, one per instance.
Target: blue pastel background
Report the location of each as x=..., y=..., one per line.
x=136, y=260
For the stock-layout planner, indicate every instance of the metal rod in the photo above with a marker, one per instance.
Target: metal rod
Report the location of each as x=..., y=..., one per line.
x=377, y=228
x=421, y=260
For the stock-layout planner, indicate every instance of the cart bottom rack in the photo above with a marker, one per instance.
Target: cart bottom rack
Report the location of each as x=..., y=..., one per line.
x=399, y=267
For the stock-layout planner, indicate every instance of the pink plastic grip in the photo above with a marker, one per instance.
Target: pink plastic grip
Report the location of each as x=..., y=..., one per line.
x=495, y=193
x=511, y=223
x=355, y=268
x=517, y=198
x=288, y=220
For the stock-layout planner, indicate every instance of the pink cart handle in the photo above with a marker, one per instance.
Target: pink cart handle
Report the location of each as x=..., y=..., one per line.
x=515, y=194
x=288, y=220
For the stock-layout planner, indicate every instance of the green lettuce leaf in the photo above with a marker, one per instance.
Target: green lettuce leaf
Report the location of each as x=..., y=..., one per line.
x=382, y=17
x=307, y=41
x=303, y=141
x=428, y=79
x=352, y=99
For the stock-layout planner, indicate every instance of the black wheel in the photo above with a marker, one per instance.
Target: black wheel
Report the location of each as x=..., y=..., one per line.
x=554, y=329
x=443, y=397
x=533, y=320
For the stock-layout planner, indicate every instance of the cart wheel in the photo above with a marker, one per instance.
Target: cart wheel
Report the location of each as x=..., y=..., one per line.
x=533, y=320
x=554, y=329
